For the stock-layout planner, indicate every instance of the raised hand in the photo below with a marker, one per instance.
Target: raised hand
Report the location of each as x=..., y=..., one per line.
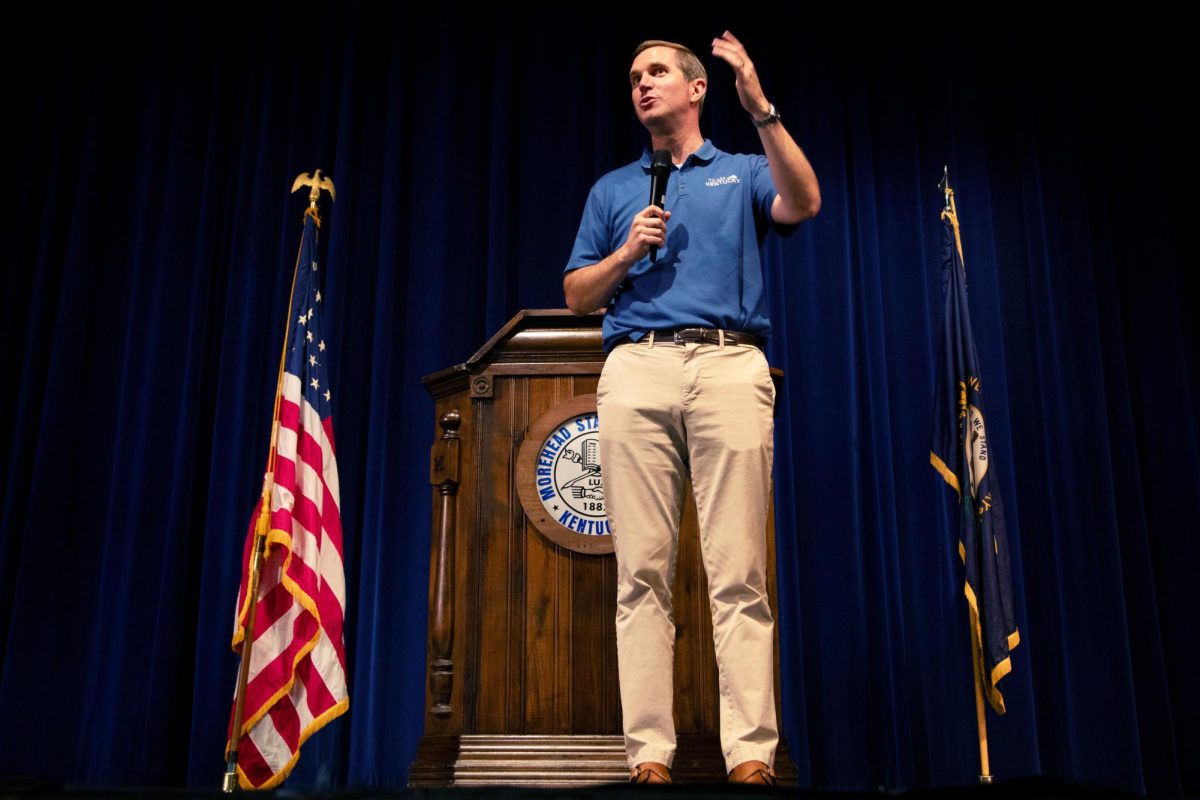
x=729, y=49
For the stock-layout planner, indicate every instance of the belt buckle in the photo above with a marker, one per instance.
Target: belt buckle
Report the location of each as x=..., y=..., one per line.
x=694, y=335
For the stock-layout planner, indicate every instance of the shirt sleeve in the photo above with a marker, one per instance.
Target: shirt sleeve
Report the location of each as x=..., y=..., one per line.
x=763, y=188
x=593, y=242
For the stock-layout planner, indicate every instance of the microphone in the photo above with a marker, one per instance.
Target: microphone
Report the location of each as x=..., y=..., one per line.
x=660, y=171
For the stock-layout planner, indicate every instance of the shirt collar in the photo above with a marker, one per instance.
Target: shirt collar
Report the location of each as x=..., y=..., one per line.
x=705, y=154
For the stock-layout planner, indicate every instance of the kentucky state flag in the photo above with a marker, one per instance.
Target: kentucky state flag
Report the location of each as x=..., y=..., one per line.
x=962, y=457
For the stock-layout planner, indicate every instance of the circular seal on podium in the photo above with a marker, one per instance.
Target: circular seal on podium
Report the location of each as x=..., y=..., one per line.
x=560, y=480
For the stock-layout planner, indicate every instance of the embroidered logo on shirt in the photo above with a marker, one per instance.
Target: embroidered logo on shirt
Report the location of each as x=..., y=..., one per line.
x=722, y=181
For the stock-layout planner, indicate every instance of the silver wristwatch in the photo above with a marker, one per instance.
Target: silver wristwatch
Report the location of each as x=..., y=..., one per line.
x=770, y=119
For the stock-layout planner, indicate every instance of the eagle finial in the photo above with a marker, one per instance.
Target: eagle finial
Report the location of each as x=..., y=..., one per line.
x=317, y=182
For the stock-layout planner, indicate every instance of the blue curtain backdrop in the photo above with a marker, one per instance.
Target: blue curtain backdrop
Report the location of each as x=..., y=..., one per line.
x=148, y=239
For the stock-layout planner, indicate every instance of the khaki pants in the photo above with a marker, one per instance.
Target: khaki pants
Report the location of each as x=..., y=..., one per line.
x=665, y=409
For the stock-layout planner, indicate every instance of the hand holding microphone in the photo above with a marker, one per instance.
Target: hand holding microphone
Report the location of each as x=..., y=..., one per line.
x=648, y=232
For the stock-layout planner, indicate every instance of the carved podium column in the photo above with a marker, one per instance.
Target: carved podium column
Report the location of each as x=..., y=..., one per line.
x=522, y=658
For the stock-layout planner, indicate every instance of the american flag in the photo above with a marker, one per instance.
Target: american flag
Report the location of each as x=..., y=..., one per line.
x=297, y=678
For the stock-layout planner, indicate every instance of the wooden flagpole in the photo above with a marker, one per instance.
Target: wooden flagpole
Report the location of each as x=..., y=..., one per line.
x=985, y=775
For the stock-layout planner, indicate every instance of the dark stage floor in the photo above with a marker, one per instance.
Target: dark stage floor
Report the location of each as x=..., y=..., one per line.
x=1036, y=789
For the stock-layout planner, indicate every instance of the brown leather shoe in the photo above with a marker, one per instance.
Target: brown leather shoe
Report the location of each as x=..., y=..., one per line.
x=753, y=772
x=650, y=772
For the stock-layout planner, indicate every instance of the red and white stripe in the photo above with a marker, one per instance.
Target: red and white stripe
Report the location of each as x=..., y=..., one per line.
x=297, y=677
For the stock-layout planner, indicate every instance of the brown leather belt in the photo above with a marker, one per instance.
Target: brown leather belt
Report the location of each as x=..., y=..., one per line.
x=701, y=336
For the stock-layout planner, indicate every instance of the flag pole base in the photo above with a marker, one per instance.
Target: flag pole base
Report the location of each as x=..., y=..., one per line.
x=985, y=780
x=229, y=785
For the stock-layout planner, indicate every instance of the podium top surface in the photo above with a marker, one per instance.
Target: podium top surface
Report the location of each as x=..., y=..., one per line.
x=539, y=338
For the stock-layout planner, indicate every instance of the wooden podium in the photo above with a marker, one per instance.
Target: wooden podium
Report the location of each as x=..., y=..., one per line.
x=521, y=682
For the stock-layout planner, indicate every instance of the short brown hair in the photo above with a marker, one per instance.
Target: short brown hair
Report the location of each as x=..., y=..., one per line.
x=685, y=59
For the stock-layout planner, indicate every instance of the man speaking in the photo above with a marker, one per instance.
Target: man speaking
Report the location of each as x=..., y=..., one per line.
x=686, y=390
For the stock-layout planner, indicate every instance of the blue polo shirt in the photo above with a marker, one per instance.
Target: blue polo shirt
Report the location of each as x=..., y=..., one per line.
x=709, y=274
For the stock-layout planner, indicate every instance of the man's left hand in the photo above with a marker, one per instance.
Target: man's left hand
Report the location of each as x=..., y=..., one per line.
x=749, y=90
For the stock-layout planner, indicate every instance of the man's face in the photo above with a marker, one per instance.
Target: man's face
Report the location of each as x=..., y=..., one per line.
x=661, y=93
